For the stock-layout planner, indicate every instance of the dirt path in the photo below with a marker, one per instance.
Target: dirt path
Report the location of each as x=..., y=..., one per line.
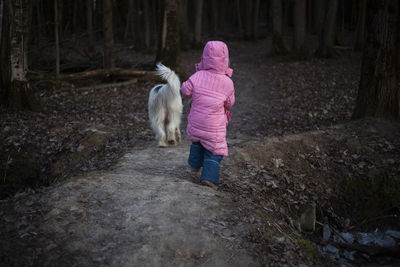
x=147, y=211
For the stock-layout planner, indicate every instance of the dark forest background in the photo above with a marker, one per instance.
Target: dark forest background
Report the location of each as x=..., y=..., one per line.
x=97, y=29
x=140, y=23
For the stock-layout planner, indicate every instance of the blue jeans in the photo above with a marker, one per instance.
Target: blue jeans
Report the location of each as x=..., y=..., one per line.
x=201, y=157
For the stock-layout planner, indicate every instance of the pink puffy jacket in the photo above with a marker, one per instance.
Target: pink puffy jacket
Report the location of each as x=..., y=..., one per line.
x=212, y=95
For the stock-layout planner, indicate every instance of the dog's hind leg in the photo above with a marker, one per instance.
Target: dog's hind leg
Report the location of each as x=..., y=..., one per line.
x=171, y=133
x=160, y=135
x=158, y=127
x=178, y=134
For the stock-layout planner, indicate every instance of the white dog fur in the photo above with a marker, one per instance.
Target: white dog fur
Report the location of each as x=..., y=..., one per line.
x=165, y=107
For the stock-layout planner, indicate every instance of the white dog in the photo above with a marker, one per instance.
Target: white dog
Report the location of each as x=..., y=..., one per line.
x=165, y=107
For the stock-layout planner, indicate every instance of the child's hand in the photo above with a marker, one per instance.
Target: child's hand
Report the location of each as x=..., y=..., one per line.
x=228, y=116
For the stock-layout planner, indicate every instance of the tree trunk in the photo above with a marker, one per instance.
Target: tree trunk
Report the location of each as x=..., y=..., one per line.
x=327, y=37
x=57, y=37
x=137, y=26
x=129, y=19
x=285, y=16
x=109, y=60
x=147, y=23
x=214, y=17
x=256, y=12
x=309, y=16
x=398, y=47
x=184, y=22
x=354, y=15
x=250, y=17
x=89, y=24
x=360, y=31
x=4, y=52
x=169, y=47
x=39, y=15
x=1, y=18
x=98, y=18
x=248, y=7
x=20, y=94
x=119, y=18
x=222, y=10
x=75, y=17
x=319, y=16
x=278, y=46
x=198, y=21
x=378, y=92
x=61, y=30
x=29, y=27
x=276, y=8
x=18, y=52
x=300, y=27
x=155, y=23
x=239, y=18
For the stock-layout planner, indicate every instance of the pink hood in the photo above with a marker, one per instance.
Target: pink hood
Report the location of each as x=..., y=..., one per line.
x=212, y=94
x=215, y=58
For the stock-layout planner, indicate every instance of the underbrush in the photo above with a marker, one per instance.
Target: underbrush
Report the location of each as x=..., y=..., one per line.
x=349, y=171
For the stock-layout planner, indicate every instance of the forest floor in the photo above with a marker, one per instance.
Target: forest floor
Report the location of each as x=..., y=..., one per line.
x=113, y=198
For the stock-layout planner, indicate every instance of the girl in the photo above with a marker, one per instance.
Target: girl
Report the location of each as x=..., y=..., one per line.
x=212, y=93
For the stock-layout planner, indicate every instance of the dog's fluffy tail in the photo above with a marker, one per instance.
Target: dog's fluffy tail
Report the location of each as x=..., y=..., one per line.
x=168, y=75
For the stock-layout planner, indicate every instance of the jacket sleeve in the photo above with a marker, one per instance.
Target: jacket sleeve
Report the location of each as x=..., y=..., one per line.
x=187, y=88
x=230, y=100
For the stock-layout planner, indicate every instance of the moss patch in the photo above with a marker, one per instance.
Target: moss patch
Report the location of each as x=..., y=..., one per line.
x=306, y=247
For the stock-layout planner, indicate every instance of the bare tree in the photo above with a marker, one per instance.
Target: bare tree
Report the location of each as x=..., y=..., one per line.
x=248, y=12
x=300, y=30
x=248, y=8
x=40, y=22
x=89, y=24
x=20, y=94
x=360, y=31
x=319, y=9
x=129, y=19
x=223, y=11
x=138, y=32
x=198, y=21
x=239, y=18
x=378, y=92
x=184, y=22
x=285, y=15
x=169, y=41
x=147, y=23
x=109, y=59
x=4, y=48
x=278, y=46
x=327, y=37
x=57, y=37
x=75, y=15
x=61, y=5
x=255, y=15
x=213, y=5
x=1, y=18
